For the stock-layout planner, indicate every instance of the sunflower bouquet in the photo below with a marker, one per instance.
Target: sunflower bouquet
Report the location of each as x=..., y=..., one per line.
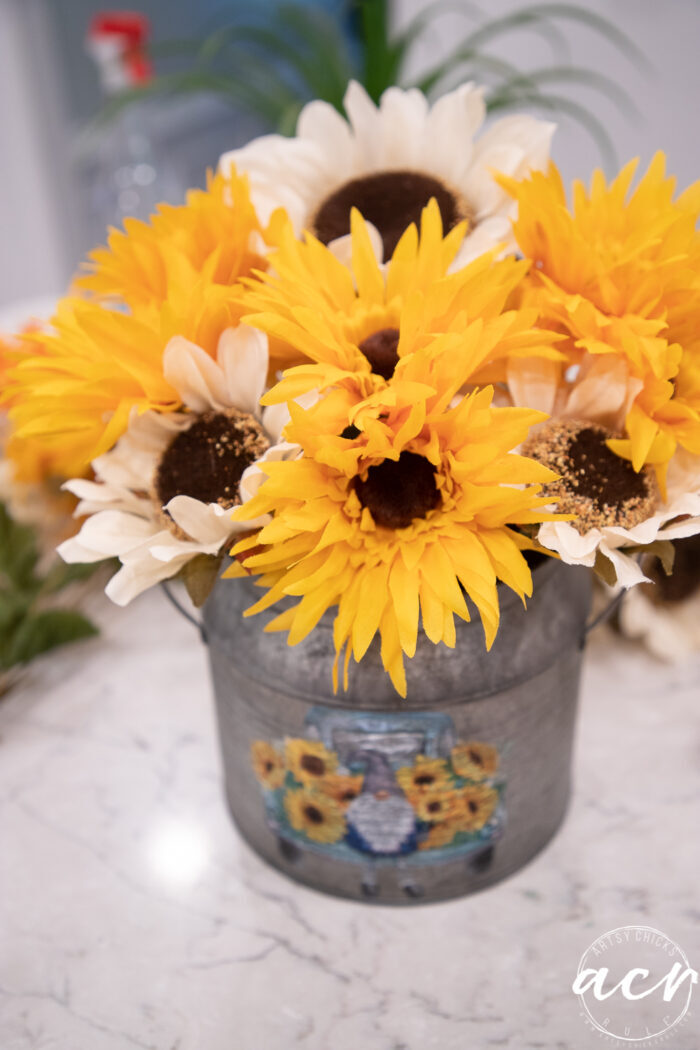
x=382, y=364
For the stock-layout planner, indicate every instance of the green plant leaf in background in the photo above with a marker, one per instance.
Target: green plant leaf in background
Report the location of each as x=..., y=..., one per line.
x=30, y=621
x=271, y=63
x=39, y=632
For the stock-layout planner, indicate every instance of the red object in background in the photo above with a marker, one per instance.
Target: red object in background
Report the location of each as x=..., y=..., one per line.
x=118, y=39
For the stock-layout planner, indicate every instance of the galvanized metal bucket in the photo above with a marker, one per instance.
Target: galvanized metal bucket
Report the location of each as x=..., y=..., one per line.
x=368, y=796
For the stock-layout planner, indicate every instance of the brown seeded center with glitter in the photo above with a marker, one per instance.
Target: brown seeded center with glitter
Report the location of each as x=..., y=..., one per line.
x=207, y=460
x=382, y=351
x=313, y=814
x=397, y=492
x=602, y=475
x=391, y=201
x=595, y=484
x=423, y=779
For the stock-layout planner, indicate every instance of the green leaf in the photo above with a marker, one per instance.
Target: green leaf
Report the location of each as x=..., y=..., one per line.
x=380, y=59
x=433, y=80
x=599, y=24
x=199, y=576
x=575, y=75
x=40, y=632
x=14, y=606
x=239, y=90
x=61, y=575
x=18, y=550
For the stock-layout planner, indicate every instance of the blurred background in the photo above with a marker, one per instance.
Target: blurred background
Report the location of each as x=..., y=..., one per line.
x=66, y=172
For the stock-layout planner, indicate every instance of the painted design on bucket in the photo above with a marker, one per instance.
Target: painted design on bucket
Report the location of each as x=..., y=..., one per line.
x=393, y=787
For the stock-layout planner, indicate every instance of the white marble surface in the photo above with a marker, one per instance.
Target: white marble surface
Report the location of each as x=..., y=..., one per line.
x=132, y=915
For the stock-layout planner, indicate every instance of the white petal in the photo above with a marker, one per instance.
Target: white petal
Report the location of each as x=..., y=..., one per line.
x=513, y=146
x=365, y=122
x=321, y=123
x=203, y=522
x=532, y=137
x=532, y=382
x=572, y=547
x=197, y=378
x=133, y=460
x=172, y=549
x=683, y=474
x=76, y=553
x=399, y=143
x=113, y=533
x=137, y=576
x=243, y=357
x=300, y=162
x=451, y=125
x=496, y=232
x=626, y=567
x=603, y=392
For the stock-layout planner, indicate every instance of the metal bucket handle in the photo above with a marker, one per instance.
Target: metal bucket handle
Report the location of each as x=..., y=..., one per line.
x=602, y=616
x=194, y=620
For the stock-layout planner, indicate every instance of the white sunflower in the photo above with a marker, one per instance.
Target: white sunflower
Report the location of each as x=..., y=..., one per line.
x=673, y=518
x=164, y=493
x=388, y=161
x=617, y=508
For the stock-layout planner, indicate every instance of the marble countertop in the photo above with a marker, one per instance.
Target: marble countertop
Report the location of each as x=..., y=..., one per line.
x=132, y=915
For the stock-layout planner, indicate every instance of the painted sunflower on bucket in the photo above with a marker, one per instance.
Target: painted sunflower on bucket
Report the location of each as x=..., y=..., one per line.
x=330, y=363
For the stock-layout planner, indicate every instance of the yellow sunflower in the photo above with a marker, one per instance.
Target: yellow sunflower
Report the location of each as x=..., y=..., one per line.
x=427, y=776
x=268, y=764
x=180, y=274
x=344, y=788
x=32, y=461
x=619, y=274
x=318, y=816
x=309, y=761
x=73, y=388
x=475, y=805
x=356, y=325
x=390, y=522
x=213, y=233
x=434, y=807
x=441, y=834
x=474, y=760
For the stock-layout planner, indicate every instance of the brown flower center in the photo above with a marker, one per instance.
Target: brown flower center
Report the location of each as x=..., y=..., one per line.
x=207, y=460
x=422, y=779
x=313, y=764
x=472, y=806
x=434, y=807
x=597, y=485
x=390, y=200
x=313, y=815
x=476, y=757
x=397, y=492
x=381, y=350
